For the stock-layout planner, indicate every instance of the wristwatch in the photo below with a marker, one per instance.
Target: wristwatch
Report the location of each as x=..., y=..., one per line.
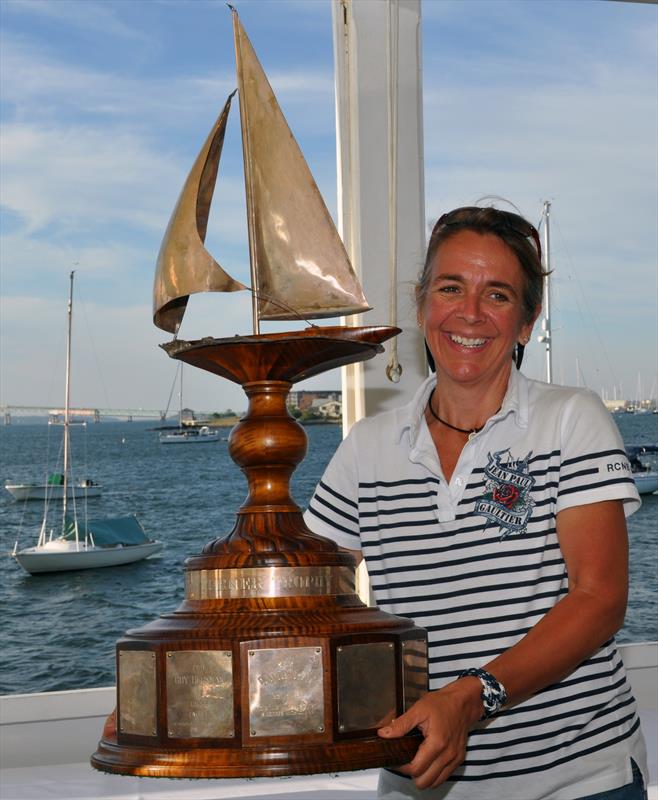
x=493, y=694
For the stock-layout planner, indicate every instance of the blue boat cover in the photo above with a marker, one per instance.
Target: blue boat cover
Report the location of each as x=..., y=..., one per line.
x=108, y=532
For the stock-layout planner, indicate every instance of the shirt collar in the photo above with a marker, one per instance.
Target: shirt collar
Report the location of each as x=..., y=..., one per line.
x=515, y=402
x=516, y=398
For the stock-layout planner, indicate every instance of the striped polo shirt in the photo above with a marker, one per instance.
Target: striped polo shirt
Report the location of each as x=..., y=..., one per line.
x=476, y=562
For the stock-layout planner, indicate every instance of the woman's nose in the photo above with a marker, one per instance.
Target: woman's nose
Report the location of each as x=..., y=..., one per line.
x=471, y=308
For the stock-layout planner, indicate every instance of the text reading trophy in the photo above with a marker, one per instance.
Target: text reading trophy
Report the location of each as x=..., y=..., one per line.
x=271, y=665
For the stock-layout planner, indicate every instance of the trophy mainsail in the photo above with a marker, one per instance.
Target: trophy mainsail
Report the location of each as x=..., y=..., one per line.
x=299, y=266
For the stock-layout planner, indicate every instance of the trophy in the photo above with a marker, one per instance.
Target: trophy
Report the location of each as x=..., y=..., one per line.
x=271, y=665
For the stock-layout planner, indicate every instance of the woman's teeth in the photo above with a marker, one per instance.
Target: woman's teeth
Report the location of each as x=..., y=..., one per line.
x=462, y=340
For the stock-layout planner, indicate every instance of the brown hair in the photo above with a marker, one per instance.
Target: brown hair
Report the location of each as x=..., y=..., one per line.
x=517, y=233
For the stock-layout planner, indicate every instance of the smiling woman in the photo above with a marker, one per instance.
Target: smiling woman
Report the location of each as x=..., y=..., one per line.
x=485, y=511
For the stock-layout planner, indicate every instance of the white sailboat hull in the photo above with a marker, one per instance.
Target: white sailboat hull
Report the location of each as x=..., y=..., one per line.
x=173, y=439
x=35, y=491
x=64, y=556
x=192, y=436
x=646, y=482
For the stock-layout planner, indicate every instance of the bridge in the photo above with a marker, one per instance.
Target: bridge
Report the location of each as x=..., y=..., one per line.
x=93, y=414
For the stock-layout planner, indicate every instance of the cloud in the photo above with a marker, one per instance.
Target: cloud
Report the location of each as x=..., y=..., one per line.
x=87, y=16
x=584, y=144
x=116, y=354
x=39, y=86
x=77, y=176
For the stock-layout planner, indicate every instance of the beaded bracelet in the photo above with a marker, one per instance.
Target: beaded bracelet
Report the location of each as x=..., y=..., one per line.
x=493, y=694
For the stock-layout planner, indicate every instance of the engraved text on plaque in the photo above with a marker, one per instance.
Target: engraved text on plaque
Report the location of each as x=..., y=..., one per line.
x=286, y=692
x=199, y=694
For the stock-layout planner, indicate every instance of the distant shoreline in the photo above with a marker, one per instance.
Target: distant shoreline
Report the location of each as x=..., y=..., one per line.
x=230, y=422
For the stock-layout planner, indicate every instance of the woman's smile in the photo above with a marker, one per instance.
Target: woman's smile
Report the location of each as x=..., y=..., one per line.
x=464, y=341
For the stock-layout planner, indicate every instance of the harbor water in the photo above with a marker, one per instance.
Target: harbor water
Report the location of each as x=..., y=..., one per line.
x=59, y=630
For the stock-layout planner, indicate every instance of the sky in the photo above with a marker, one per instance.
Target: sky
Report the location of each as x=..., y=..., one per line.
x=104, y=105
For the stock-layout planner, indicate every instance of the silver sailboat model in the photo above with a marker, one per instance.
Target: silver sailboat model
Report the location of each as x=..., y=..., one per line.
x=299, y=266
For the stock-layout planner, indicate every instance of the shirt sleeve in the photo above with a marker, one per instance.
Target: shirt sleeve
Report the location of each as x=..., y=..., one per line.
x=594, y=465
x=333, y=510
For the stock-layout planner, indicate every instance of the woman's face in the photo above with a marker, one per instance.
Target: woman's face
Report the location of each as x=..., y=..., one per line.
x=472, y=314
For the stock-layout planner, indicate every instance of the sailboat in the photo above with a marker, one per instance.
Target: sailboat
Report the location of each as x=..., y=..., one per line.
x=53, y=489
x=645, y=473
x=189, y=434
x=74, y=545
x=59, y=485
x=299, y=267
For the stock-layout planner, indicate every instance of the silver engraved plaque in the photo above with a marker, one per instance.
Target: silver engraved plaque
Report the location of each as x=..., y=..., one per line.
x=137, y=693
x=216, y=584
x=366, y=685
x=199, y=694
x=414, y=671
x=286, y=691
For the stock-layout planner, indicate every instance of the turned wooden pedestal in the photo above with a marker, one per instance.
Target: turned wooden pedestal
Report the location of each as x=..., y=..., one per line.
x=271, y=665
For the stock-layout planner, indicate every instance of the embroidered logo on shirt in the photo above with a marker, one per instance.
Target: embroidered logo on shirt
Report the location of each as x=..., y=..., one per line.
x=506, y=499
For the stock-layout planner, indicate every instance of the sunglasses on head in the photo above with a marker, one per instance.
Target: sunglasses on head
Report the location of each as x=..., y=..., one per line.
x=506, y=219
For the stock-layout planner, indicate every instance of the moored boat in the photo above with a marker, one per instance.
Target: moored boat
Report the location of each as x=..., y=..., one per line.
x=646, y=482
x=99, y=543
x=644, y=474
x=72, y=545
x=189, y=435
x=186, y=434
x=78, y=490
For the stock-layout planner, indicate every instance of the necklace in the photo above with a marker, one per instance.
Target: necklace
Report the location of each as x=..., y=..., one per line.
x=470, y=431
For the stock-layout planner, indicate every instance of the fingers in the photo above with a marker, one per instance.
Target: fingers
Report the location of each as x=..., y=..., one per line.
x=436, y=774
x=441, y=720
x=110, y=727
x=436, y=758
x=398, y=727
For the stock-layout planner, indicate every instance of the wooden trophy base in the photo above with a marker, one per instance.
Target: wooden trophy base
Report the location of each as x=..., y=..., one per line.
x=272, y=762
x=279, y=685
x=272, y=665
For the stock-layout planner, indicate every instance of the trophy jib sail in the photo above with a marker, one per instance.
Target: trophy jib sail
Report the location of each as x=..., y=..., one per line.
x=184, y=266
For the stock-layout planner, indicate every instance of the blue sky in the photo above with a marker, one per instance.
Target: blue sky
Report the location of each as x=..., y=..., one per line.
x=104, y=106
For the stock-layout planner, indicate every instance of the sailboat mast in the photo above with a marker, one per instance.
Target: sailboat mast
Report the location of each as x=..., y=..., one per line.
x=180, y=397
x=248, y=174
x=546, y=336
x=67, y=397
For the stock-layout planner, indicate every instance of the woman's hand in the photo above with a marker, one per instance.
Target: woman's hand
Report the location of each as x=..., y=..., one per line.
x=445, y=718
x=110, y=728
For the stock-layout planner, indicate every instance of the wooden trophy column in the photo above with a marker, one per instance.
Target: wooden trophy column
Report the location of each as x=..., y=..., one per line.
x=271, y=665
